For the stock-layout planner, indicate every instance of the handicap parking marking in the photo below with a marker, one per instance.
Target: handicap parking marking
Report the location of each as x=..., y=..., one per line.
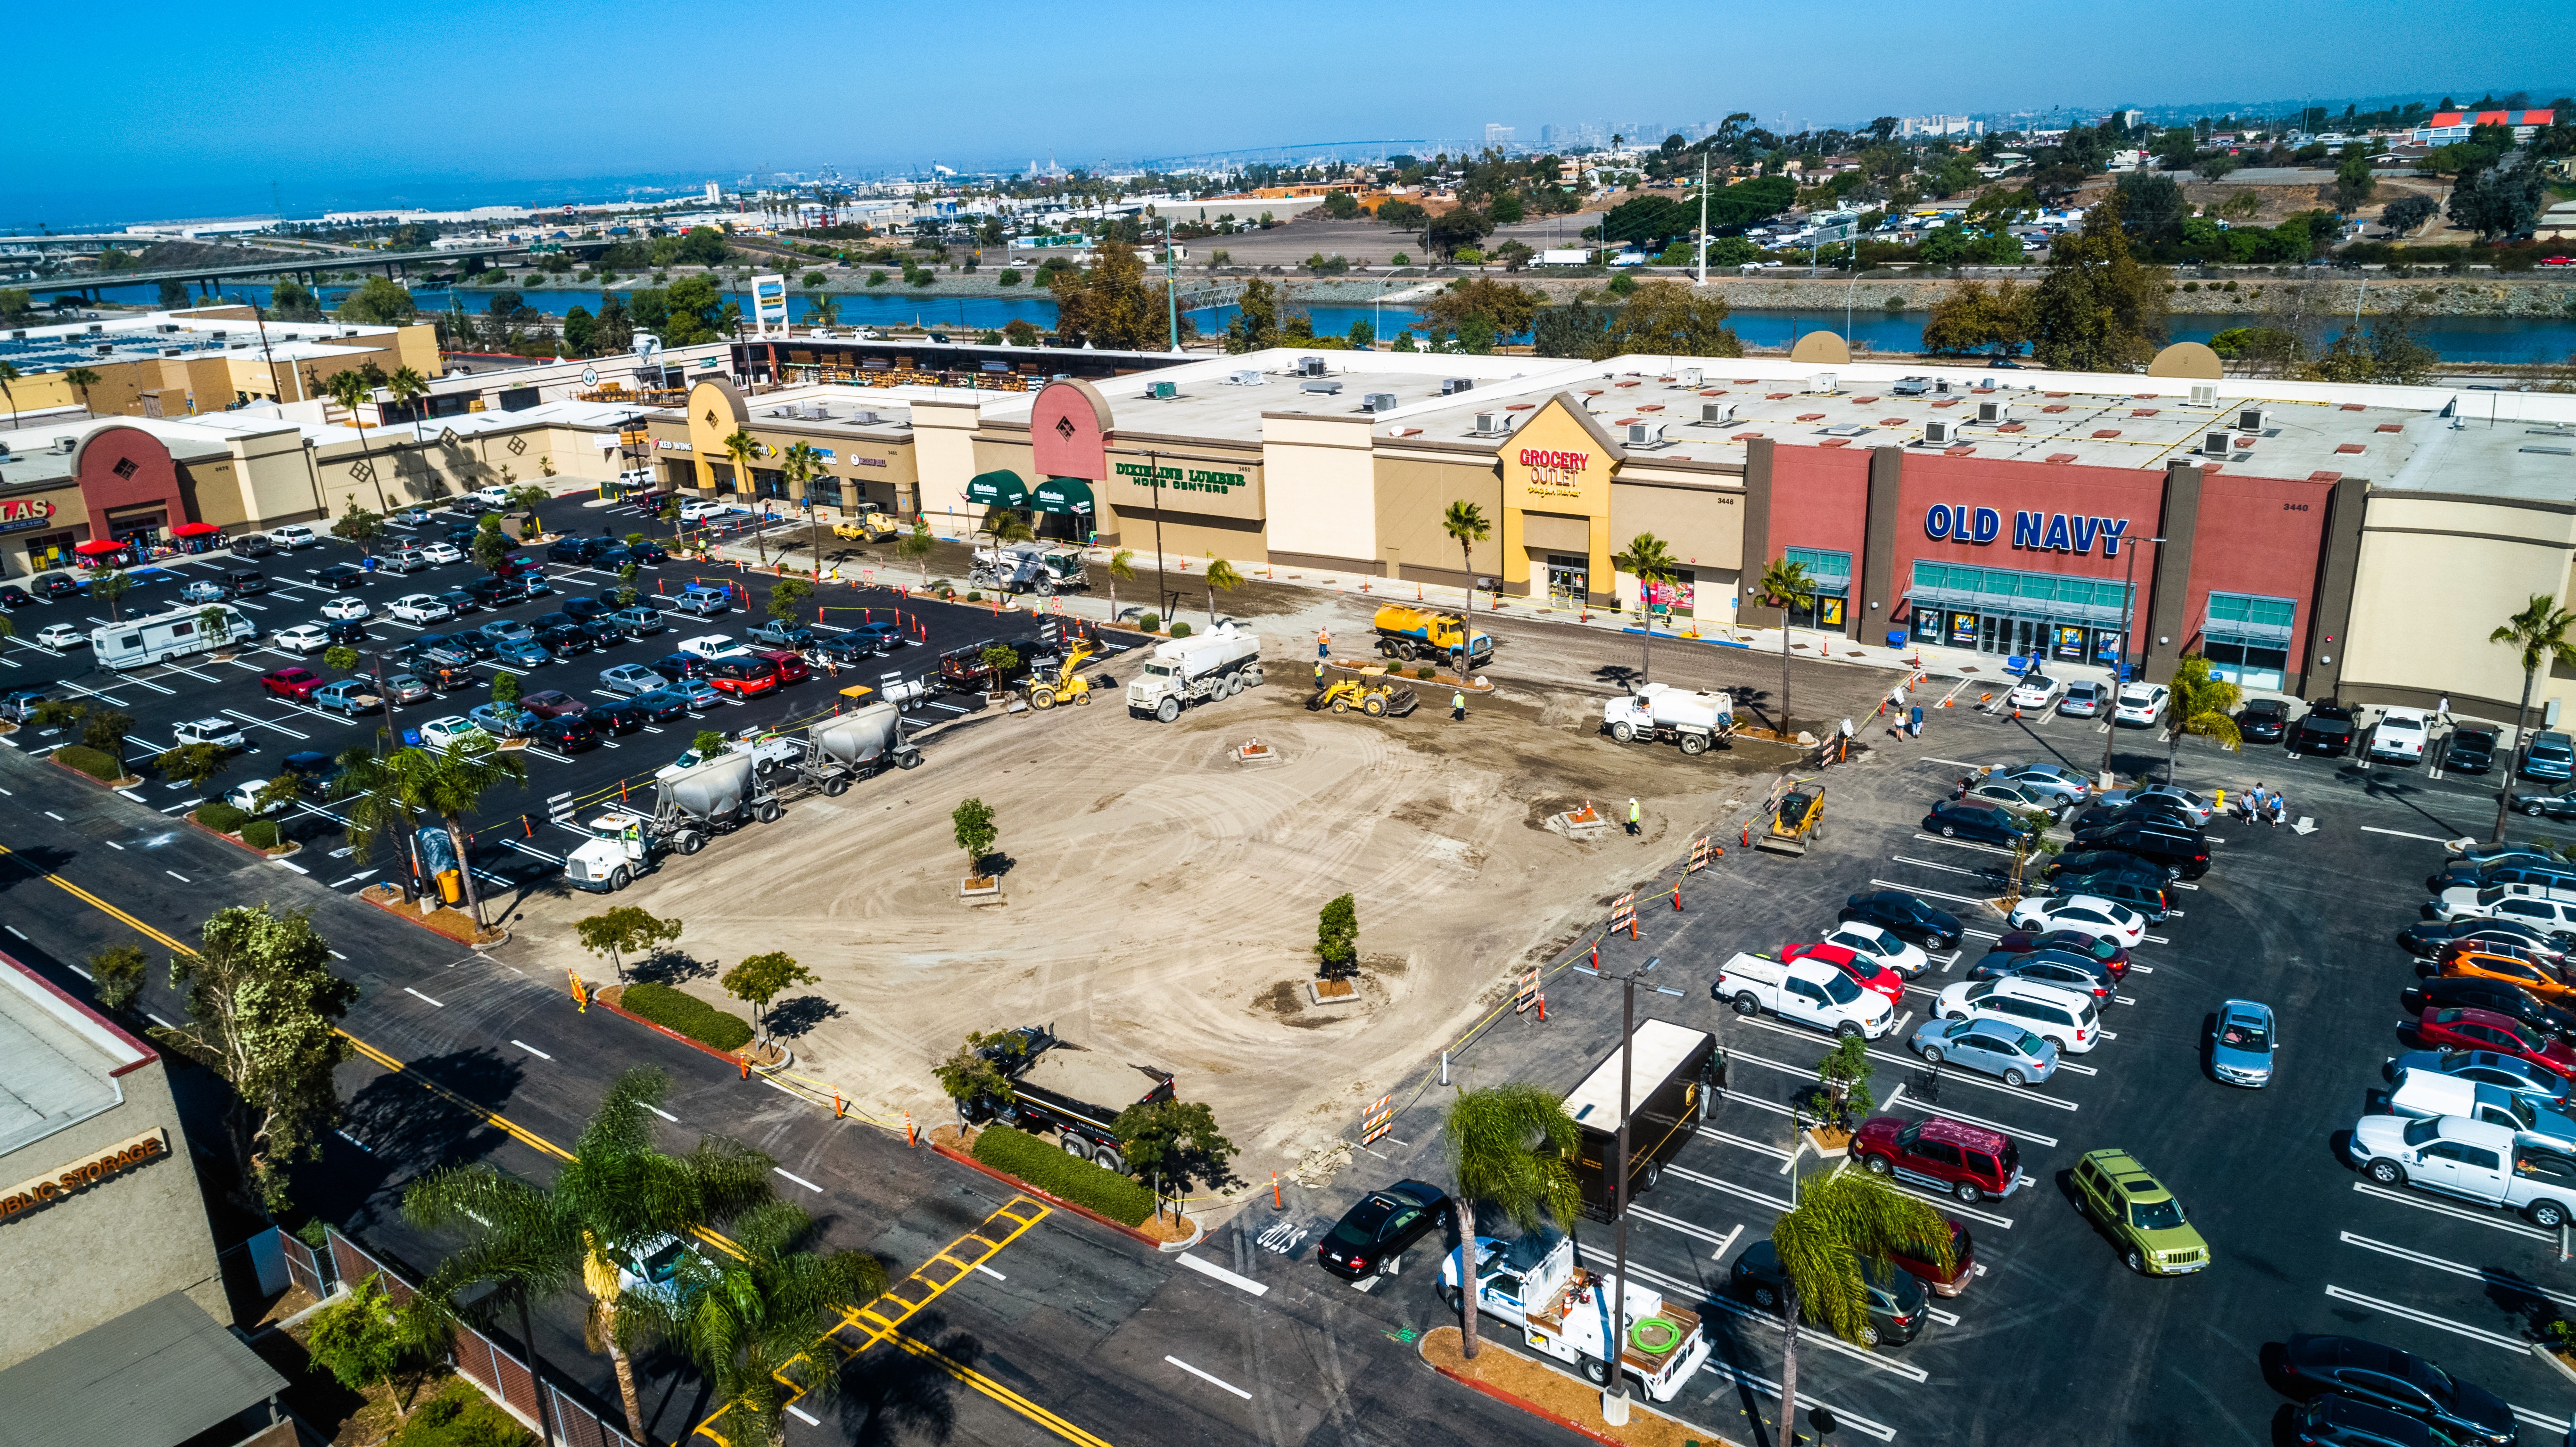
x=2491, y=1222
x=2497, y=1339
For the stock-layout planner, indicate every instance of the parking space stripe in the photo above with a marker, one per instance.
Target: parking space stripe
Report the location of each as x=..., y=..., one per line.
x=1954, y=1205
x=1771, y=1389
x=2403, y=1198
x=2505, y=1280
x=1675, y=1223
x=2513, y=1344
x=1696, y=1178
x=1917, y=889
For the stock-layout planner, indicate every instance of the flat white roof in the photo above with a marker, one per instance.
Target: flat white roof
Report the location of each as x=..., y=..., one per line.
x=1661, y=1048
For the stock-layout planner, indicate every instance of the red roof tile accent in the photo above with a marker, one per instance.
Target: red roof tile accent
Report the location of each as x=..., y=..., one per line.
x=2106, y=431
x=2053, y=394
x=2355, y=407
x=1624, y=421
x=1520, y=406
x=2210, y=466
x=1742, y=436
x=1746, y=381
x=1835, y=442
x=1952, y=402
x=1623, y=384
x=2348, y=447
x=2392, y=427
x=1864, y=401
x=2144, y=411
x=2446, y=118
x=1811, y=416
x=1960, y=451
x=1651, y=407
x=1891, y=421
x=1712, y=391
x=1779, y=396
x=2145, y=396
x=2325, y=477
x=2061, y=457
x=2011, y=427
x=2055, y=406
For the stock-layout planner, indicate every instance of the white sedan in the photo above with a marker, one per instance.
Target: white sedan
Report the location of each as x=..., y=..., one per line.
x=439, y=733
x=420, y=608
x=2140, y=704
x=347, y=608
x=701, y=509
x=443, y=553
x=302, y=638
x=2036, y=690
x=2088, y=914
x=1904, y=958
x=245, y=797
x=60, y=636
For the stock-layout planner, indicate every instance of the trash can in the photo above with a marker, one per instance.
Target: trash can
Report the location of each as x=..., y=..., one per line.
x=1896, y=637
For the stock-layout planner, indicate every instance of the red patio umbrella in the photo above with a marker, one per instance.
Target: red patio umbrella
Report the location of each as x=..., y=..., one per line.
x=98, y=547
x=195, y=530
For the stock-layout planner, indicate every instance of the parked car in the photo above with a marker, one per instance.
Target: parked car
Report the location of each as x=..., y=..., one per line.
x=1880, y=945
x=1803, y=992
x=2140, y=705
x=2067, y=1018
x=222, y=732
x=2149, y=900
x=2263, y=721
x=570, y=733
x=2171, y=798
x=566, y=640
x=302, y=638
x=2538, y=805
x=1377, y=1230
x=402, y=560
x=2541, y=869
x=2241, y=1043
x=2544, y=1089
x=1993, y=1046
x=743, y=677
x=791, y=665
x=2153, y=809
x=2470, y=749
x=2107, y=952
x=1983, y=822
x=700, y=694
x=351, y=696
x=661, y=705
x=2549, y=755
x=2061, y=968
x=2035, y=691
x=293, y=535
x=630, y=679
x=2384, y=1377
x=2469, y=992
x=340, y=577
x=553, y=703
x=2400, y=735
x=245, y=796
x=2181, y=852
x=298, y=684
x=2340, y=1421
x=1918, y=1260
x=2484, y=1030
x=55, y=587
x=60, y=636
x=639, y=622
x=1864, y=970
x=1898, y=1304
x=1970, y=1162
x=501, y=720
x=618, y=718
x=2324, y=731
x=252, y=545
x=876, y=637
x=2139, y=1214
x=442, y=553
x=522, y=653
x=2550, y=909
x=1904, y=915
x=2005, y=794
x=677, y=666
x=460, y=601
x=406, y=689
x=2048, y=781
x=2541, y=981
x=419, y=608
x=440, y=734
x=2082, y=913
x=2077, y=863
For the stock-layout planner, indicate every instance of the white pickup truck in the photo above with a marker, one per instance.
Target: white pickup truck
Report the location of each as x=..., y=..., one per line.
x=1563, y=1310
x=2471, y=1159
x=1803, y=992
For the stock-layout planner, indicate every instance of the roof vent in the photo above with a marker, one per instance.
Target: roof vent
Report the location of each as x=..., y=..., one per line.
x=1824, y=383
x=1452, y=386
x=65, y=445
x=865, y=419
x=1378, y=402
x=1494, y=424
x=1310, y=366
x=1689, y=377
x=2249, y=419
x=1716, y=414
x=2204, y=394
x=1646, y=434
x=1328, y=389
x=1990, y=412
x=1941, y=386
x=1936, y=433
x=1162, y=391
x=1243, y=379
x=2216, y=444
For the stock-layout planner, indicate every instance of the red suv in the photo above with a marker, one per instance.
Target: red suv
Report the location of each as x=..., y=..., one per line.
x=1970, y=1162
x=1915, y=1260
x=743, y=677
x=1865, y=972
x=791, y=665
x=2486, y=1030
x=295, y=683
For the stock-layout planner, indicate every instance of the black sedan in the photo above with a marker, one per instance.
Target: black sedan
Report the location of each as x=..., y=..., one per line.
x=2023, y=941
x=2561, y=805
x=661, y=705
x=647, y=554
x=1967, y=819
x=1378, y=1229
x=2462, y=1412
x=618, y=719
x=1902, y=914
x=2147, y=899
x=2081, y=863
x=2146, y=806
x=2426, y=939
x=13, y=597
x=2468, y=992
x=566, y=639
x=2469, y=750
x=54, y=587
x=679, y=666
x=2263, y=721
x=570, y=733
x=342, y=576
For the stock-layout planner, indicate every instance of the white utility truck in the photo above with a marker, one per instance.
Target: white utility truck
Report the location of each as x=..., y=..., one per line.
x=1219, y=663
x=1661, y=712
x=1563, y=1310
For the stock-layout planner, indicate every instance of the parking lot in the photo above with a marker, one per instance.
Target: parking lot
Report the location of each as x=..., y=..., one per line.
x=2054, y=1339
x=520, y=836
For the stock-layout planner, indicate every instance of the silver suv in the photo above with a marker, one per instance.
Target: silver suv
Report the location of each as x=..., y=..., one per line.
x=2048, y=781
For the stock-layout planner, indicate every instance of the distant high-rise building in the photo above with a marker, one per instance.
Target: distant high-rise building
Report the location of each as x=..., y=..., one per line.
x=1547, y=135
x=1498, y=137
x=715, y=191
x=1940, y=126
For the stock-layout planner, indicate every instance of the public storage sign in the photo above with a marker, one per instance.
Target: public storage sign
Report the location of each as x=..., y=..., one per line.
x=45, y=1190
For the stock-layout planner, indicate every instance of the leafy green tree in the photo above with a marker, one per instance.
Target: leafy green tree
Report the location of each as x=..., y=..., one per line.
x=379, y=800
x=117, y=972
x=2152, y=206
x=1122, y=568
x=2204, y=705
x=2498, y=201
x=1175, y=1142
x=191, y=764
x=785, y=594
x=104, y=729
x=2097, y=309
x=1465, y=524
x=981, y=1069
x=2354, y=183
x=362, y=1338
x=974, y=830
x=1973, y=318
x=491, y=545
x=357, y=525
x=1669, y=318
x=382, y=302
x=622, y=931
x=1337, y=938
x=1576, y=330
x=758, y=979
x=2405, y=214
x=1019, y=331
x=2538, y=635
x=109, y=587
x=262, y=1002
x=1786, y=586
x=1842, y=1079
x=1255, y=325
x=1507, y=308
x=452, y=783
x=505, y=688
x=914, y=547
x=1112, y=305
x=1452, y=231
x=9, y=373
x=1839, y=1221
x=1510, y=1147
x=1652, y=565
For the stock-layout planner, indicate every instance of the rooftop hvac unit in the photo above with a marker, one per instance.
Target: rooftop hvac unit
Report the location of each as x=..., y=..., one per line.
x=1990, y=411
x=1378, y=402
x=1162, y=391
x=1493, y=424
x=1452, y=386
x=2216, y=444
x=2249, y=419
x=1716, y=414
x=65, y=445
x=2204, y=394
x=865, y=419
x=172, y=351
x=1243, y=379
x=105, y=349
x=1824, y=383
x=1936, y=433
x=1310, y=366
x=1689, y=377
x=1941, y=386
x=1327, y=389
x=168, y=327
x=97, y=330
x=1645, y=434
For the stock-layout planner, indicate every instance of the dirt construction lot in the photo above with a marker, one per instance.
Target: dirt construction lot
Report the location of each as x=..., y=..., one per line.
x=1161, y=897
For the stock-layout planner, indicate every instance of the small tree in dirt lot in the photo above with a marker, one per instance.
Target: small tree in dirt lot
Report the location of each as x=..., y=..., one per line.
x=975, y=832
x=625, y=930
x=363, y=1338
x=1337, y=939
x=1176, y=1143
x=1842, y=1079
x=117, y=971
x=980, y=1069
x=1220, y=578
x=191, y=764
x=915, y=546
x=758, y=979
x=1001, y=658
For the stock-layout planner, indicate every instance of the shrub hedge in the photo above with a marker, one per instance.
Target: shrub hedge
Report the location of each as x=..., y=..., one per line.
x=1052, y=1170
x=686, y=1013
x=260, y=833
x=1180, y=630
x=90, y=761
x=222, y=818
x=460, y=1416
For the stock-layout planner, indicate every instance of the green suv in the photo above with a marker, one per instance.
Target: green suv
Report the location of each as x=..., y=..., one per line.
x=2140, y=1214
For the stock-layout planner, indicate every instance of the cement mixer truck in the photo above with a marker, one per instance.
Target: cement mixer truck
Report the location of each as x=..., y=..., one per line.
x=1219, y=663
x=689, y=807
x=856, y=745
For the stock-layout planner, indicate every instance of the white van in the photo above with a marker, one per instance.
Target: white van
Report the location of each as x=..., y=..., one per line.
x=2400, y=734
x=138, y=642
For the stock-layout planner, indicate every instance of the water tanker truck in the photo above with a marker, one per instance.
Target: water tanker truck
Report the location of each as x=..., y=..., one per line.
x=1409, y=633
x=1217, y=664
x=1665, y=714
x=689, y=807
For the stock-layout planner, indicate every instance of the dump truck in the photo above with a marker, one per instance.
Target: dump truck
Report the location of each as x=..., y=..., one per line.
x=1797, y=817
x=1062, y=1088
x=690, y=806
x=1409, y=633
x=1564, y=1310
x=1668, y=1097
x=1660, y=712
x=1216, y=664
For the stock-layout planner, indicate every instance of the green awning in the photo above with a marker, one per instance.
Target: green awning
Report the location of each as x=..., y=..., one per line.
x=1063, y=494
x=998, y=489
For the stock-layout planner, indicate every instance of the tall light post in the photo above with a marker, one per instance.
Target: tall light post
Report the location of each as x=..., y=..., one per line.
x=2120, y=673
x=1614, y=1396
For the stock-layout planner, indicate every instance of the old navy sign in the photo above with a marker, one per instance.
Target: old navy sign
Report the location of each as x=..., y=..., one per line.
x=2049, y=532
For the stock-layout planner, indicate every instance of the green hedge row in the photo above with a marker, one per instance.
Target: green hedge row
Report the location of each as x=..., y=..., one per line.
x=260, y=833
x=678, y=1010
x=90, y=761
x=460, y=1416
x=1052, y=1170
x=222, y=818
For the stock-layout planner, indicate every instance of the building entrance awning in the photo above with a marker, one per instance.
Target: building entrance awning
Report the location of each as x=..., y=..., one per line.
x=997, y=489
x=195, y=530
x=98, y=547
x=1064, y=495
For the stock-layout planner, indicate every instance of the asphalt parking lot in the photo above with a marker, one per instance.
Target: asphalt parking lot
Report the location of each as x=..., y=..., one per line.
x=2056, y=1340
x=520, y=836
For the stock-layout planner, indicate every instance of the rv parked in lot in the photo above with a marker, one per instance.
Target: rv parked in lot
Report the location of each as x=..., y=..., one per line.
x=140, y=642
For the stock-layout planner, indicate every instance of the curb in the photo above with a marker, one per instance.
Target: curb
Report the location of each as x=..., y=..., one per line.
x=413, y=919
x=728, y=1057
x=1084, y=1211
x=2556, y=1362
x=236, y=841
x=102, y=783
x=1533, y=1408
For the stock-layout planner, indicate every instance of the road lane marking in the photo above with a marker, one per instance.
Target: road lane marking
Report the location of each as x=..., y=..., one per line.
x=791, y=1175
x=1203, y=1376
x=1771, y=1389
x=2401, y=834
x=801, y=1415
x=664, y=1114
x=57, y=818
x=1675, y=1223
x=2513, y=1344
x=1776, y=1203
x=1239, y=1283
x=174, y=874
x=997, y=1276
x=417, y=995
x=532, y=1050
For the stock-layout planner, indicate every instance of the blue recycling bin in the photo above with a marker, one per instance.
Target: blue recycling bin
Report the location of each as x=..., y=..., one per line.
x=1896, y=637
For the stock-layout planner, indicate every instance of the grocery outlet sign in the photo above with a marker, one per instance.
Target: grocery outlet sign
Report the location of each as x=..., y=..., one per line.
x=115, y=1160
x=2044, y=532
x=1555, y=472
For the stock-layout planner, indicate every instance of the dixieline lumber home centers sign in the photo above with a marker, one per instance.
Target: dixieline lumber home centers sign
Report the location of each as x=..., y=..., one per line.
x=2046, y=532
x=45, y=1190
x=1183, y=479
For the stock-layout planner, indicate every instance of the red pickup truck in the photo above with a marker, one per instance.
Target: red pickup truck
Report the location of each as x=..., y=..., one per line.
x=295, y=683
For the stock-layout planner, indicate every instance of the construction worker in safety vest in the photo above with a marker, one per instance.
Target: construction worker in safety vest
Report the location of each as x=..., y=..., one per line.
x=1457, y=705
x=1323, y=643
x=1635, y=816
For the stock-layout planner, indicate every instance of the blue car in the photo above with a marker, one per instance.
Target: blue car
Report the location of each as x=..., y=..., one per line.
x=502, y=720
x=2242, y=1042
x=700, y=693
x=2549, y=755
x=522, y=653
x=1993, y=1046
x=662, y=704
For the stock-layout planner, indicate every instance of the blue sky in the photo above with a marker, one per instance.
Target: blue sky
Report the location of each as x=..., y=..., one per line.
x=155, y=112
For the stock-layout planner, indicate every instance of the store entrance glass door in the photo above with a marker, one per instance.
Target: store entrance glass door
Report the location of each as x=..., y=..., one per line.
x=1567, y=580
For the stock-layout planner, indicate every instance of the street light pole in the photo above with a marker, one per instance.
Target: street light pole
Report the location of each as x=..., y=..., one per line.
x=1614, y=1393
x=2120, y=672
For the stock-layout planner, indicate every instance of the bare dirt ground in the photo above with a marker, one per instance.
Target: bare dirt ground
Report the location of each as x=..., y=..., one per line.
x=1161, y=898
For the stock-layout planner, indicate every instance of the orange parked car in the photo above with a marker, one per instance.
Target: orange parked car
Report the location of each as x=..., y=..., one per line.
x=2480, y=965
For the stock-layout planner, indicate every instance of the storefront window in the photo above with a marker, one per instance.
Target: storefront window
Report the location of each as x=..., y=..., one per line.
x=1678, y=597
x=1568, y=577
x=2017, y=614
x=824, y=491
x=2247, y=638
x=770, y=481
x=1829, y=574
x=53, y=550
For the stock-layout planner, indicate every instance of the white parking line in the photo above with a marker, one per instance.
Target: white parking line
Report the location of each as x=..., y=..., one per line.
x=2402, y=834
x=2513, y=1344
x=1907, y=1370
x=2503, y=1280
x=415, y=994
x=800, y=1180
x=1916, y=889
x=541, y=1055
x=1675, y=1223
x=1205, y=1377
x=1771, y=1389
x=1776, y=1203
x=2489, y=1221
x=1239, y=1283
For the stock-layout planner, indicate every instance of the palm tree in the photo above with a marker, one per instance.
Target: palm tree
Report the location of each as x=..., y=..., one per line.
x=2202, y=705
x=1838, y=1221
x=407, y=386
x=915, y=547
x=616, y=1193
x=1511, y=1147
x=804, y=464
x=1122, y=567
x=1649, y=562
x=380, y=798
x=1220, y=577
x=84, y=379
x=751, y=1323
x=451, y=783
x=9, y=374
x=742, y=447
x=349, y=389
x=2539, y=634
x=1465, y=522
x=1786, y=586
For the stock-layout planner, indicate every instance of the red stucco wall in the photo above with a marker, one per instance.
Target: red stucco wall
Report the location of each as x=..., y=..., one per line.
x=155, y=478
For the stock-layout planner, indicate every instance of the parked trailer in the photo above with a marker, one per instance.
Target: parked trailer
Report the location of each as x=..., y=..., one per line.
x=857, y=745
x=1665, y=714
x=1668, y=1093
x=1217, y=664
x=1057, y=1086
x=689, y=807
x=140, y=642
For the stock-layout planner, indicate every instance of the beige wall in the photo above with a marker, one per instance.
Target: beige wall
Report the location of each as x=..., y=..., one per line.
x=2436, y=575
x=1325, y=505
x=944, y=456
x=1413, y=496
x=1702, y=524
